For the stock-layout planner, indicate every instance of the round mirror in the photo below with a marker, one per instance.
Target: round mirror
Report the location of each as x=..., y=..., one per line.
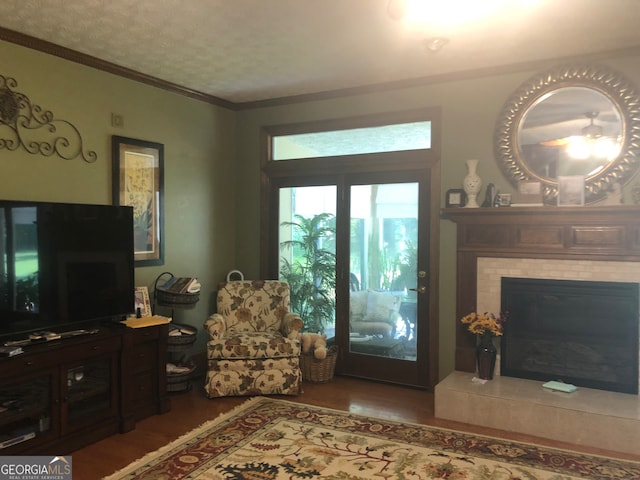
x=571, y=120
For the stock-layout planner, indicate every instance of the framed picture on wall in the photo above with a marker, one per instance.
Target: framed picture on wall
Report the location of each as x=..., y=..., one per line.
x=138, y=181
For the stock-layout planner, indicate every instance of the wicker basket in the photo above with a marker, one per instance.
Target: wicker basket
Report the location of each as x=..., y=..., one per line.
x=319, y=371
x=176, y=300
x=166, y=298
x=180, y=343
x=179, y=382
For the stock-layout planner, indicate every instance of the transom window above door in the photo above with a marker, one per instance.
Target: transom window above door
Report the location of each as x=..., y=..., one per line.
x=354, y=141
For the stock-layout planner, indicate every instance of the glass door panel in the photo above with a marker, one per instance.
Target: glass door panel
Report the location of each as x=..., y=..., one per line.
x=307, y=240
x=25, y=410
x=89, y=392
x=383, y=270
x=352, y=266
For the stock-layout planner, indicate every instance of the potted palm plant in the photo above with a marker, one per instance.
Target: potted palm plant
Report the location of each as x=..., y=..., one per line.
x=310, y=269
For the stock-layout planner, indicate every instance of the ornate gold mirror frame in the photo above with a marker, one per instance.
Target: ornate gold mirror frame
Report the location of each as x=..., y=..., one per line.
x=574, y=101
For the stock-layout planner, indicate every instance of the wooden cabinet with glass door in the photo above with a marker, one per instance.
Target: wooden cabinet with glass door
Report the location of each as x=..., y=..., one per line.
x=60, y=395
x=26, y=410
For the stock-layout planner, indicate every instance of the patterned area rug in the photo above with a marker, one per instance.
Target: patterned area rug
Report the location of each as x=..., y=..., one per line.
x=266, y=439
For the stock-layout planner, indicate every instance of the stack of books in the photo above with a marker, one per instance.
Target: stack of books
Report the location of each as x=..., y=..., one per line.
x=181, y=285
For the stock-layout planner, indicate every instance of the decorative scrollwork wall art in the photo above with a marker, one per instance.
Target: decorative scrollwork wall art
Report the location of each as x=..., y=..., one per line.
x=24, y=124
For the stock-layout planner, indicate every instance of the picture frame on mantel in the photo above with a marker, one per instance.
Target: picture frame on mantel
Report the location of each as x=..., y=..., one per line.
x=571, y=191
x=455, y=198
x=138, y=181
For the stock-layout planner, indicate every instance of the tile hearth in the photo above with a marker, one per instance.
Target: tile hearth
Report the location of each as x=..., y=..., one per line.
x=594, y=418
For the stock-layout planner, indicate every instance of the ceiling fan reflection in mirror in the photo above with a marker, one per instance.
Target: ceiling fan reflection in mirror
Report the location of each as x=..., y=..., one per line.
x=591, y=143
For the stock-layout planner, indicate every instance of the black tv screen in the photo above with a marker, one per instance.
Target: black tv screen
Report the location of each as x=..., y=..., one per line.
x=63, y=265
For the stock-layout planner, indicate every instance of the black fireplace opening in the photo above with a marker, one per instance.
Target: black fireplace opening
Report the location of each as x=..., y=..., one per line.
x=575, y=331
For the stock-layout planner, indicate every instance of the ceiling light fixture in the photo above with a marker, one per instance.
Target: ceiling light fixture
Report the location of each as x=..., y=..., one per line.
x=435, y=44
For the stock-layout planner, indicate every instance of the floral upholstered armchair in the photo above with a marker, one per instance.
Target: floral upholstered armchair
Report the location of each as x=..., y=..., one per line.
x=254, y=347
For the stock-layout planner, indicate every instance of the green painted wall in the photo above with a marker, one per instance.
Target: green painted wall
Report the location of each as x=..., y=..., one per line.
x=212, y=158
x=199, y=161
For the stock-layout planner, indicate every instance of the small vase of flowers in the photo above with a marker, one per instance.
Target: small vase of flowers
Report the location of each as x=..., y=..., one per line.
x=485, y=326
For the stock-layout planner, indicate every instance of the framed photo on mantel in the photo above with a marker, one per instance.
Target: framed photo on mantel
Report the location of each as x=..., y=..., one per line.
x=138, y=181
x=571, y=191
x=455, y=198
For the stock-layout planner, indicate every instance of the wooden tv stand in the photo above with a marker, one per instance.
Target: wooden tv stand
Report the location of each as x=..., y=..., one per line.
x=64, y=394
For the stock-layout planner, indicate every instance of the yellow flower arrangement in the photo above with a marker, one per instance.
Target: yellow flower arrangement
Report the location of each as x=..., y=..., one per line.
x=484, y=323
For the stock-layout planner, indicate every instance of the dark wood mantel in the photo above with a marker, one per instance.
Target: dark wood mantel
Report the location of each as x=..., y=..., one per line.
x=608, y=233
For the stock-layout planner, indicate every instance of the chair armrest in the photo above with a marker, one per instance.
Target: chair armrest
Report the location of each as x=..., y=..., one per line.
x=216, y=326
x=291, y=325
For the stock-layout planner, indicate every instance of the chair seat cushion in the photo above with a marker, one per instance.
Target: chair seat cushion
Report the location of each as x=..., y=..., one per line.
x=258, y=364
x=372, y=328
x=279, y=376
x=247, y=345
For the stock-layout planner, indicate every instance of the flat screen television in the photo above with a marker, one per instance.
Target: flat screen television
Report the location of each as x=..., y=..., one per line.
x=63, y=266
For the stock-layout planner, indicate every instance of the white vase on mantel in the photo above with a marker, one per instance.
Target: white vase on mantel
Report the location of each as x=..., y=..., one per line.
x=471, y=184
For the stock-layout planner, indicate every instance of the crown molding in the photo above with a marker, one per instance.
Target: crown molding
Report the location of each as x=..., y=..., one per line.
x=93, y=62
x=90, y=61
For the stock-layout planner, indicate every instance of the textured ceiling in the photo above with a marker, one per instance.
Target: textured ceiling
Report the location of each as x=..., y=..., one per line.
x=253, y=50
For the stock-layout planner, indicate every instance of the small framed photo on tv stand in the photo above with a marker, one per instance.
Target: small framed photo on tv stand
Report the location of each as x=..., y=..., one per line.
x=143, y=305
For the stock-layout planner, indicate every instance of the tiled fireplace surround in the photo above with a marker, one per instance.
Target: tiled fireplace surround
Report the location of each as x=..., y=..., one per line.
x=586, y=417
x=492, y=270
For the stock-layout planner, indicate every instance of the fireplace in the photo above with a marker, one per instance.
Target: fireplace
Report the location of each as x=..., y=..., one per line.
x=583, y=244
x=579, y=332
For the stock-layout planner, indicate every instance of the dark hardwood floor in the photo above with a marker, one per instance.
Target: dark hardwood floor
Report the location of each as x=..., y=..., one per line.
x=191, y=409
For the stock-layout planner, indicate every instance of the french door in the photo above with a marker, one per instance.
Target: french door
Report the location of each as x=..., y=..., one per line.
x=375, y=229
x=356, y=236
x=383, y=326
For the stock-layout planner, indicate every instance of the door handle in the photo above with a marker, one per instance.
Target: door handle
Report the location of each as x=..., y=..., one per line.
x=420, y=289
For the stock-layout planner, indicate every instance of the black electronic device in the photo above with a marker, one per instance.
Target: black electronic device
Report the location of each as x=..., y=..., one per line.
x=63, y=265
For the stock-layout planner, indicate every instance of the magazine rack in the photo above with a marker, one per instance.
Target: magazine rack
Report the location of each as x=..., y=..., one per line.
x=171, y=292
